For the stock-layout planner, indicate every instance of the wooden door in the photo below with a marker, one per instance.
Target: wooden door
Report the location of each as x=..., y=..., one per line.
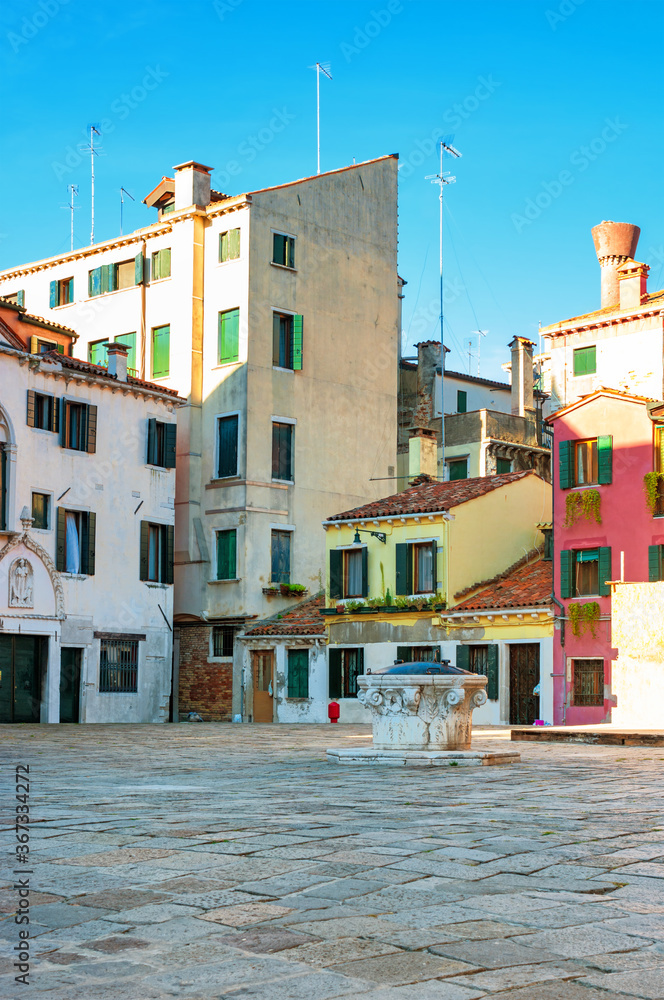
x=21, y=672
x=263, y=677
x=524, y=677
x=70, y=685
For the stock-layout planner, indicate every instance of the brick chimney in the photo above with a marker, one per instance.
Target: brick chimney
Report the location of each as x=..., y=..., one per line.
x=633, y=284
x=615, y=243
x=523, y=404
x=422, y=453
x=428, y=361
x=192, y=185
x=117, y=360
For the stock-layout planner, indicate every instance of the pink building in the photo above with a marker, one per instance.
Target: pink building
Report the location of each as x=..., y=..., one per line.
x=603, y=530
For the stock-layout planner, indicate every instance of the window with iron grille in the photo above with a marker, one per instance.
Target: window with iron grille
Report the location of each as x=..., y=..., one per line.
x=588, y=682
x=223, y=637
x=118, y=666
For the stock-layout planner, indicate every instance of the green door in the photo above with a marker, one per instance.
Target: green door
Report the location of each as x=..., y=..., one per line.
x=70, y=685
x=21, y=658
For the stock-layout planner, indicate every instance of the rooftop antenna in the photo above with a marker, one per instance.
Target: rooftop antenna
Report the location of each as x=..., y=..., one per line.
x=480, y=334
x=93, y=151
x=123, y=192
x=443, y=178
x=73, y=193
x=320, y=68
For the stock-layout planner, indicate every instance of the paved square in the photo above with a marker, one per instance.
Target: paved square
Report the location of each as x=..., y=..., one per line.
x=215, y=861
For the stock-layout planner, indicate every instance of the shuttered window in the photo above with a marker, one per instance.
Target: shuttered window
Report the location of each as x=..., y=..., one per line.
x=655, y=563
x=462, y=400
x=282, y=451
x=585, y=360
x=229, y=245
x=283, y=250
x=503, y=466
x=130, y=340
x=458, y=468
x=161, y=264
x=78, y=426
x=227, y=554
x=43, y=411
x=585, y=572
x=418, y=654
x=41, y=504
x=97, y=352
x=287, y=341
x=280, y=557
x=227, y=446
x=481, y=659
x=156, y=552
x=344, y=667
x=585, y=463
x=229, y=336
x=61, y=293
x=75, y=541
x=162, y=440
x=416, y=568
x=161, y=351
x=298, y=673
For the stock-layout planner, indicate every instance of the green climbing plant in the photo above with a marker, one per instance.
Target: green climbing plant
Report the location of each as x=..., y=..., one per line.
x=651, y=487
x=584, y=618
x=583, y=503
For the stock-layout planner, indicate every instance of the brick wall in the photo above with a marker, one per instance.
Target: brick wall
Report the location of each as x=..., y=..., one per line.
x=206, y=688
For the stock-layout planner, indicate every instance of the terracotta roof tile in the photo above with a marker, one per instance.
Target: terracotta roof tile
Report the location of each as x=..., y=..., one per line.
x=430, y=495
x=305, y=619
x=527, y=586
x=100, y=370
x=654, y=298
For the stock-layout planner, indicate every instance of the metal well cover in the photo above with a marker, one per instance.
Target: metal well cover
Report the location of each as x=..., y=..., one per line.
x=422, y=667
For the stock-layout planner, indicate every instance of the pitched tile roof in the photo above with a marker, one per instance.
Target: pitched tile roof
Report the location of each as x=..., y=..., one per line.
x=527, y=586
x=305, y=619
x=654, y=299
x=427, y=495
x=102, y=372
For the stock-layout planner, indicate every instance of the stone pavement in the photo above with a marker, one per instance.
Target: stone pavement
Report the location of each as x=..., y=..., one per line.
x=226, y=861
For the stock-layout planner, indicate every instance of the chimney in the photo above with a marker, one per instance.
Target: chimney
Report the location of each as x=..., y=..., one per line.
x=428, y=362
x=117, y=360
x=615, y=242
x=633, y=284
x=192, y=185
x=422, y=453
x=522, y=377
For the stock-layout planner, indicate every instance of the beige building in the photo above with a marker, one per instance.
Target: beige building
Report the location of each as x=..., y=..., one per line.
x=275, y=313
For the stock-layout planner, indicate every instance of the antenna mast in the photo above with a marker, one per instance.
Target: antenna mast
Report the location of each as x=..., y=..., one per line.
x=94, y=130
x=73, y=193
x=480, y=334
x=324, y=68
x=443, y=178
x=123, y=191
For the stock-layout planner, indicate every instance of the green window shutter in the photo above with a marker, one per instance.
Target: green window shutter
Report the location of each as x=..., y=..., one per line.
x=139, y=262
x=462, y=657
x=234, y=244
x=404, y=583
x=130, y=340
x=223, y=247
x=336, y=573
x=156, y=266
x=579, y=362
x=152, y=442
x=654, y=563
x=298, y=673
x=60, y=534
x=166, y=263
x=161, y=338
x=296, y=352
x=170, y=440
x=227, y=555
x=492, y=673
x=566, y=573
x=227, y=443
x=604, y=459
x=604, y=570
x=31, y=408
x=434, y=564
x=60, y=348
x=405, y=653
x=144, y=559
x=278, y=248
x=94, y=282
x=106, y=280
x=291, y=251
x=91, y=427
x=334, y=673
x=169, y=536
x=20, y=298
x=565, y=470
x=462, y=400
x=229, y=336
x=365, y=572
x=53, y=294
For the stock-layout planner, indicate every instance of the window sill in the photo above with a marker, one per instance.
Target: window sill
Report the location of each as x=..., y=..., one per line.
x=158, y=378
x=231, y=260
x=307, y=700
x=74, y=576
x=64, y=305
x=283, y=267
x=235, y=579
x=114, y=291
x=226, y=364
x=221, y=659
x=226, y=481
x=157, y=586
x=284, y=482
x=155, y=281
x=278, y=368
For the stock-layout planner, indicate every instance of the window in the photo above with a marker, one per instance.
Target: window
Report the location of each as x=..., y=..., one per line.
x=41, y=503
x=587, y=572
x=162, y=440
x=503, y=466
x=283, y=249
x=418, y=654
x=462, y=400
x=229, y=336
x=75, y=541
x=548, y=544
x=655, y=563
x=658, y=466
x=287, y=341
x=458, y=468
x=130, y=340
x=125, y=274
x=223, y=638
x=156, y=557
x=349, y=572
x=588, y=678
x=229, y=245
x=39, y=346
x=161, y=264
x=281, y=557
x=584, y=572
x=61, y=292
x=161, y=349
x=227, y=554
x=16, y=298
x=43, y=411
x=585, y=360
x=416, y=567
x=482, y=659
x=115, y=276
x=118, y=666
x=298, y=673
x=585, y=463
x=227, y=446
x=78, y=426
x=282, y=451
x=345, y=665
x=97, y=354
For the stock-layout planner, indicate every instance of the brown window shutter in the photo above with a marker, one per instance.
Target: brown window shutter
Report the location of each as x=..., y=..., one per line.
x=92, y=429
x=60, y=540
x=145, y=532
x=88, y=544
x=55, y=419
x=31, y=407
x=169, y=532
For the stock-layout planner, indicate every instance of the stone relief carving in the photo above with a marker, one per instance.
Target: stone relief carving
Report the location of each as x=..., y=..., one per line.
x=42, y=554
x=21, y=584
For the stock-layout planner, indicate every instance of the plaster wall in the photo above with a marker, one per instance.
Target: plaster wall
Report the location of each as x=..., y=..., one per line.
x=637, y=671
x=478, y=396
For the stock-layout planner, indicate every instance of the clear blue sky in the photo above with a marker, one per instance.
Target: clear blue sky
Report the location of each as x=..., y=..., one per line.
x=553, y=77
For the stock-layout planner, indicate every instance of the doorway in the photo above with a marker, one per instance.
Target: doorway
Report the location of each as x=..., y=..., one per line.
x=262, y=664
x=70, y=685
x=22, y=662
x=524, y=678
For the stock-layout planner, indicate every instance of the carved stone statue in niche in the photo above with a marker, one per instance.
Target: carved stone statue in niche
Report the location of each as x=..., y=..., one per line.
x=21, y=584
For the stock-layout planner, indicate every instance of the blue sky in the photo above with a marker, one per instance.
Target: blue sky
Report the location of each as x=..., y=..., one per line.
x=556, y=106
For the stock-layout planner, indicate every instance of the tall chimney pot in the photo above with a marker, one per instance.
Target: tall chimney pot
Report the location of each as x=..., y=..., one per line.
x=117, y=360
x=522, y=377
x=615, y=242
x=192, y=184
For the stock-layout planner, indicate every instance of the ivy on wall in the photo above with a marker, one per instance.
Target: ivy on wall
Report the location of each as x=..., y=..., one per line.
x=583, y=503
x=651, y=486
x=584, y=618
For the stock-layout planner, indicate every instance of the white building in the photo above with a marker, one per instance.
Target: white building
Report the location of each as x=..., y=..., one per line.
x=86, y=532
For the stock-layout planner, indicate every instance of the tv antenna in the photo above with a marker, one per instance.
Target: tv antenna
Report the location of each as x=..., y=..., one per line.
x=480, y=334
x=123, y=192
x=93, y=151
x=441, y=179
x=73, y=193
x=320, y=68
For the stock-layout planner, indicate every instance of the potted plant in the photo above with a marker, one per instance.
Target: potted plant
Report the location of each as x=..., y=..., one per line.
x=353, y=606
x=341, y=608
x=297, y=589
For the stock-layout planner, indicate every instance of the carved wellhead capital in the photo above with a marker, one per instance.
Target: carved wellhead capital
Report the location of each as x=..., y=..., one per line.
x=455, y=696
x=479, y=698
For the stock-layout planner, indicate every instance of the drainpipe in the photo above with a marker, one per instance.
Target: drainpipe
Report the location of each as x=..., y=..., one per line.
x=142, y=333
x=555, y=600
